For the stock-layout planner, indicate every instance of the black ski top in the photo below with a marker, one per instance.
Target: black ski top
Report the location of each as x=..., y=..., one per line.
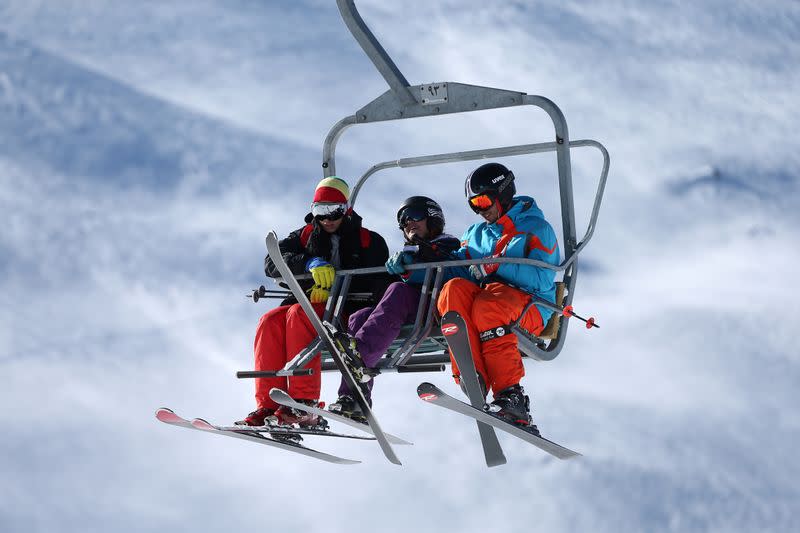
x=351, y=246
x=440, y=248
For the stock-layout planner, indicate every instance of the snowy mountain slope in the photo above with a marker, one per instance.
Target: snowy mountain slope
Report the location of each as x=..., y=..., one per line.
x=234, y=60
x=83, y=124
x=136, y=198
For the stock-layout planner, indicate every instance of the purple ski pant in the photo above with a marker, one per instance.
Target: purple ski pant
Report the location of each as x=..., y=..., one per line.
x=374, y=328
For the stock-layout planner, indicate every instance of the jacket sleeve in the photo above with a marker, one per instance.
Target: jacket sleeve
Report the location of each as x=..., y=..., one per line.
x=542, y=246
x=440, y=249
x=462, y=253
x=294, y=254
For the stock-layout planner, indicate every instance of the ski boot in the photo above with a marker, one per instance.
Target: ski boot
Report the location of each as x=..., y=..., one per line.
x=513, y=406
x=352, y=358
x=347, y=406
x=256, y=418
x=291, y=417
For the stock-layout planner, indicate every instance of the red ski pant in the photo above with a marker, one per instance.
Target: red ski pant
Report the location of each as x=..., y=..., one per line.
x=497, y=360
x=281, y=334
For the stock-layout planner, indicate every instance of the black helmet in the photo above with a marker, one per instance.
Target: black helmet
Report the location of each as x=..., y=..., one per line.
x=421, y=207
x=494, y=180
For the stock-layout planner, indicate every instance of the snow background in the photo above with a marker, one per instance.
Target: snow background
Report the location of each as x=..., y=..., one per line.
x=145, y=151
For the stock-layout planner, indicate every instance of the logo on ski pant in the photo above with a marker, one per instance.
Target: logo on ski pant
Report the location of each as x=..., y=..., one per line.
x=494, y=333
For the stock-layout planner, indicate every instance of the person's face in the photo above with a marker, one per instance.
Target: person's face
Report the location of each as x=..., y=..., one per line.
x=330, y=226
x=416, y=228
x=492, y=214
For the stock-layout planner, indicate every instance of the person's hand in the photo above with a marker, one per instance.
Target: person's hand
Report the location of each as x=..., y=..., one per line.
x=322, y=272
x=481, y=271
x=397, y=263
x=318, y=295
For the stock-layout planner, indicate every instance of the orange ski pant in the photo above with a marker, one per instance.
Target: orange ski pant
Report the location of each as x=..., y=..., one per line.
x=497, y=360
x=281, y=334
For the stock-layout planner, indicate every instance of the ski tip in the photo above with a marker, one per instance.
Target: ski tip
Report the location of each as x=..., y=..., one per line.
x=167, y=416
x=271, y=239
x=426, y=388
x=428, y=396
x=199, y=423
x=451, y=316
x=276, y=394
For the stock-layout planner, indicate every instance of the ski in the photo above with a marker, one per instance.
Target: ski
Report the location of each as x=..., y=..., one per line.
x=455, y=333
x=432, y=394
x=287, y=431
x=169, y=417
x=281, y=397
x=286, y=274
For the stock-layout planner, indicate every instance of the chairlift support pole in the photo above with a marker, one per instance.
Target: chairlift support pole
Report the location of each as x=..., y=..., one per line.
x=364, y=36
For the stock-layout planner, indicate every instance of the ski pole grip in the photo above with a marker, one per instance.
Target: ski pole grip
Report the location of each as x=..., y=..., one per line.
x=431, y=367
x=244, y=374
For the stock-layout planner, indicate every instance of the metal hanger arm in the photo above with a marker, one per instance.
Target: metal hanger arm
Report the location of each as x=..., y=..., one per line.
x=376, y=53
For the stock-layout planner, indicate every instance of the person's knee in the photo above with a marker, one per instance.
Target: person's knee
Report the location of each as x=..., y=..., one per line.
x=453, y=290
x=401, y=294
x=270, y=320
x=458, y=284
x=295, y=314
x=395, y=291
x=396, y=286
x=272, y=314
x=487, y=314
x=358, y=318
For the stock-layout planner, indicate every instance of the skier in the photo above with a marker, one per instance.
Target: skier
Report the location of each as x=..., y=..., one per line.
x=372, y=329
x=333, y=238
x=495, y=294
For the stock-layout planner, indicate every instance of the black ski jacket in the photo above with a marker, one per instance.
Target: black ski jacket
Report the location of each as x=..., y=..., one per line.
x=358, y=248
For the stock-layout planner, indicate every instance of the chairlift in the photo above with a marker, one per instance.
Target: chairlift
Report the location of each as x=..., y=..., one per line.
x=421, y=346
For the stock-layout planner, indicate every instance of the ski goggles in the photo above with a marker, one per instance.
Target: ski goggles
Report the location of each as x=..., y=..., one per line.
x=322, y=211
x=481, y=202
x=412, y=213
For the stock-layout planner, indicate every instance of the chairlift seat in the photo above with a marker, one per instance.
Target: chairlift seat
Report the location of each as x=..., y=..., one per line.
x=435, y=343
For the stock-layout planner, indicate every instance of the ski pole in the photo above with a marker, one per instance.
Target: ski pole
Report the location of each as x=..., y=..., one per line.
x=569, y=312
x=262, y=292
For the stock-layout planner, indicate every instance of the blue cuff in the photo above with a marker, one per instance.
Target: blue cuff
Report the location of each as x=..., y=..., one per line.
x=314, y=262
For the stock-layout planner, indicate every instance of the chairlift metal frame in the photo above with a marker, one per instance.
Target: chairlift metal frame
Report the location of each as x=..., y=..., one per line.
x=403, y=101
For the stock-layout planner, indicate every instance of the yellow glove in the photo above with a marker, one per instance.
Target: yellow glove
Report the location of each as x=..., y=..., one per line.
x=322, y=272
x=319, y=295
